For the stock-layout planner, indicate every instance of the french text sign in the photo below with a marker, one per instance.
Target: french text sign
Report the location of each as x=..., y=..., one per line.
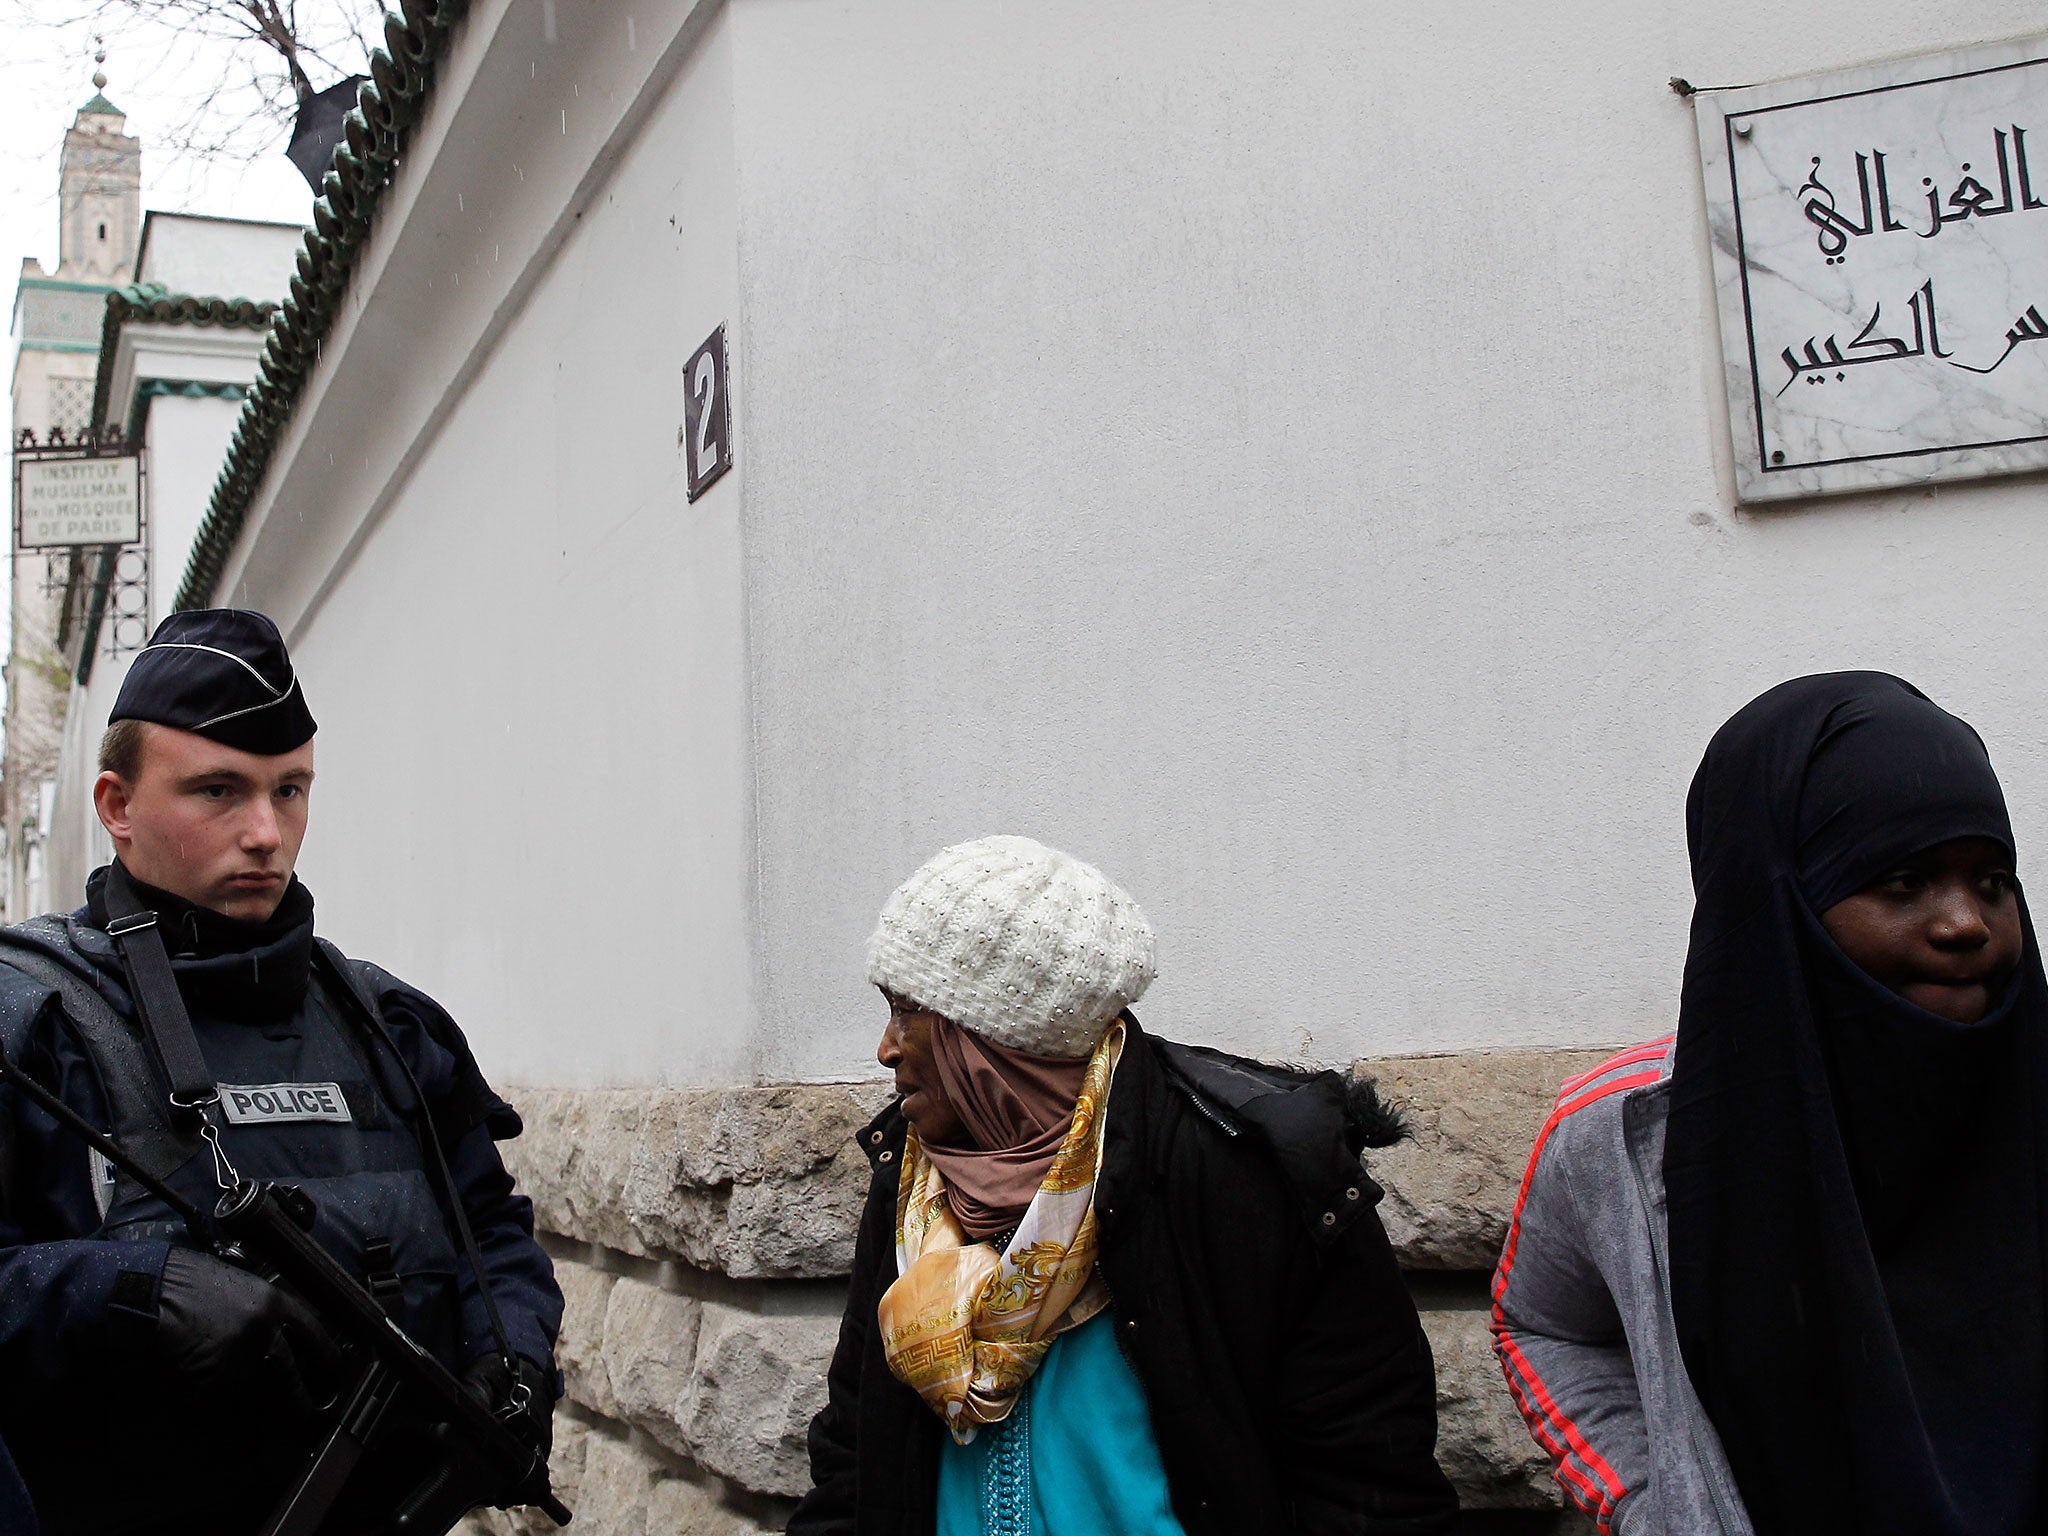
x=1880, y=244
x=707, y=419
x=80, y=501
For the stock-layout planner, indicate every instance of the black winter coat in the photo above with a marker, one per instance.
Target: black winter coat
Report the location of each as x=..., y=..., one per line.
x=1256, y=1297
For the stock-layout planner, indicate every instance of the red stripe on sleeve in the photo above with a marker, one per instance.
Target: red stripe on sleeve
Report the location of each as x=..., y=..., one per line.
x=1546, y=1421
x=1576, y=1484
x=1610, y=1482
x=1655, y=1049
x=1565, y=1109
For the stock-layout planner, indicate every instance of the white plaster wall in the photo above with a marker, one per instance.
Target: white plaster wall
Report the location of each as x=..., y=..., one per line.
x=529, y=672
x=1277, y=452
x=219, y=258
x=188, y=440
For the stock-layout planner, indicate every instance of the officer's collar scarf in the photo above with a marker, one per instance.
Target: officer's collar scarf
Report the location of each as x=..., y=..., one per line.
x=1854, y=1184
x=226, y=968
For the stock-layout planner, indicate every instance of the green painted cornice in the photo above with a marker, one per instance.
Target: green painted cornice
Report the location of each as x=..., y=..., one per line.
x=64, y=283
x=374, y=136
x=154, y=302
x=147, y=390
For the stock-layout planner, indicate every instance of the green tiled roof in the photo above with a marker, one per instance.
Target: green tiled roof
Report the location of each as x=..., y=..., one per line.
x=153, y=301
x=374, y=135
x=101, y=104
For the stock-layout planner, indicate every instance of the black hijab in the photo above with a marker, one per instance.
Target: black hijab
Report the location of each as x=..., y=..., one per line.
x=1853, y=1183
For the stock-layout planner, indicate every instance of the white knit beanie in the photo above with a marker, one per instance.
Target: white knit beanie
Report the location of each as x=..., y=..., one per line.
x=1022, y=944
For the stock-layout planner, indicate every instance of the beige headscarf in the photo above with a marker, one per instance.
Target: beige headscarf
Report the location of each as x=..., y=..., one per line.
x=1016, y=1108
x=966, y=1327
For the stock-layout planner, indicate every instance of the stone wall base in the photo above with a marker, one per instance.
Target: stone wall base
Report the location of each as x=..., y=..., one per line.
x=620, y=1483
x=701, y=1238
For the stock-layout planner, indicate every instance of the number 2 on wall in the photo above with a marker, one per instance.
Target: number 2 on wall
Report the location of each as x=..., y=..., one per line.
x=706, y=414
x=704, y=385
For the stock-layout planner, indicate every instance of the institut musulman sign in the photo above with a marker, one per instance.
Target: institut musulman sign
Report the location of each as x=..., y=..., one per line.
x=1880, y=244
x=79, y=501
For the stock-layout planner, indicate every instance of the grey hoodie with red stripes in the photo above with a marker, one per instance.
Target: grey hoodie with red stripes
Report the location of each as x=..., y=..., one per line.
x=1582, y=1314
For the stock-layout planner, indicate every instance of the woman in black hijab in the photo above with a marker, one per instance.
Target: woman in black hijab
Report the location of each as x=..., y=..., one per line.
x=1853, y=1157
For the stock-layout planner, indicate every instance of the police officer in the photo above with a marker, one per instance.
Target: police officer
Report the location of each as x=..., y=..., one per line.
x=146, y=1385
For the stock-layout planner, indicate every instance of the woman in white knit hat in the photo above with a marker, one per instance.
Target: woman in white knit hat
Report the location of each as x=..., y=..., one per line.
x=1106, y=1285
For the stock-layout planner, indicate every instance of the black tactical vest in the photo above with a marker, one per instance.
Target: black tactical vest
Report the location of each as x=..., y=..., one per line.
x=307, y=1100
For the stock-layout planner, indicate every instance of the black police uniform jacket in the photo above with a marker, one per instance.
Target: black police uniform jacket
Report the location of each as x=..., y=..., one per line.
x=107, y=1440
x=1255, y=1295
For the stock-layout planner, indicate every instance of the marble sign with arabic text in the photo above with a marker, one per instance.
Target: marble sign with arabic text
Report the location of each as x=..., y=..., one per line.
x=1881, y=263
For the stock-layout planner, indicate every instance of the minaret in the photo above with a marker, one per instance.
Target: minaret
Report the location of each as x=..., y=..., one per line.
x=57, y=324
x=99, y=192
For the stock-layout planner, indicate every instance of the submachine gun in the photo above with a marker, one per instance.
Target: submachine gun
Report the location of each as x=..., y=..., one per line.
x=266, y=1228
x=271, y=1226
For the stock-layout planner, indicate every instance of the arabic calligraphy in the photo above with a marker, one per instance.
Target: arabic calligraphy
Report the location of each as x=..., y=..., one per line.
x=1878, y=238
x=2029, y=327
x=1971, y=197
x=1818, y=360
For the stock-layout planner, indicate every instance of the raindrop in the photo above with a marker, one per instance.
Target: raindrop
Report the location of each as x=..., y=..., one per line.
x=632, y=40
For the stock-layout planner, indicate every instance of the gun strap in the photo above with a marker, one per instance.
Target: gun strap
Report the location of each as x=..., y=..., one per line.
x=430, y=1139
x=159, y=1006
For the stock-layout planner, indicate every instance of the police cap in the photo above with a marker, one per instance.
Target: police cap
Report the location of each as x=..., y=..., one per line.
x=221, y=673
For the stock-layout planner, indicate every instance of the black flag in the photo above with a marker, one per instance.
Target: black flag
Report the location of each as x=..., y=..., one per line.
x=318, y=129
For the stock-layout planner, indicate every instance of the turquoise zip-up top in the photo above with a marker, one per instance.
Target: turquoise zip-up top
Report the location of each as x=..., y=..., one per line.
x=1076, y=1456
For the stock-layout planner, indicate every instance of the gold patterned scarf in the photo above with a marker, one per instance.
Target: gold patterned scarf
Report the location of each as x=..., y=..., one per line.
x=965, y=1327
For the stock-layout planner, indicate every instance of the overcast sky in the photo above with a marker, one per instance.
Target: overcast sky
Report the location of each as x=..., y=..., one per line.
x=46, y=76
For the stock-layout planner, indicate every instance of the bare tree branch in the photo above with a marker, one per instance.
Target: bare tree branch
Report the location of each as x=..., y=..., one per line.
x=260, y=59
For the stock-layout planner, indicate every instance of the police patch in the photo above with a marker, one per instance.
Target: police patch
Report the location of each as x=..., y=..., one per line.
x=284, y=1103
